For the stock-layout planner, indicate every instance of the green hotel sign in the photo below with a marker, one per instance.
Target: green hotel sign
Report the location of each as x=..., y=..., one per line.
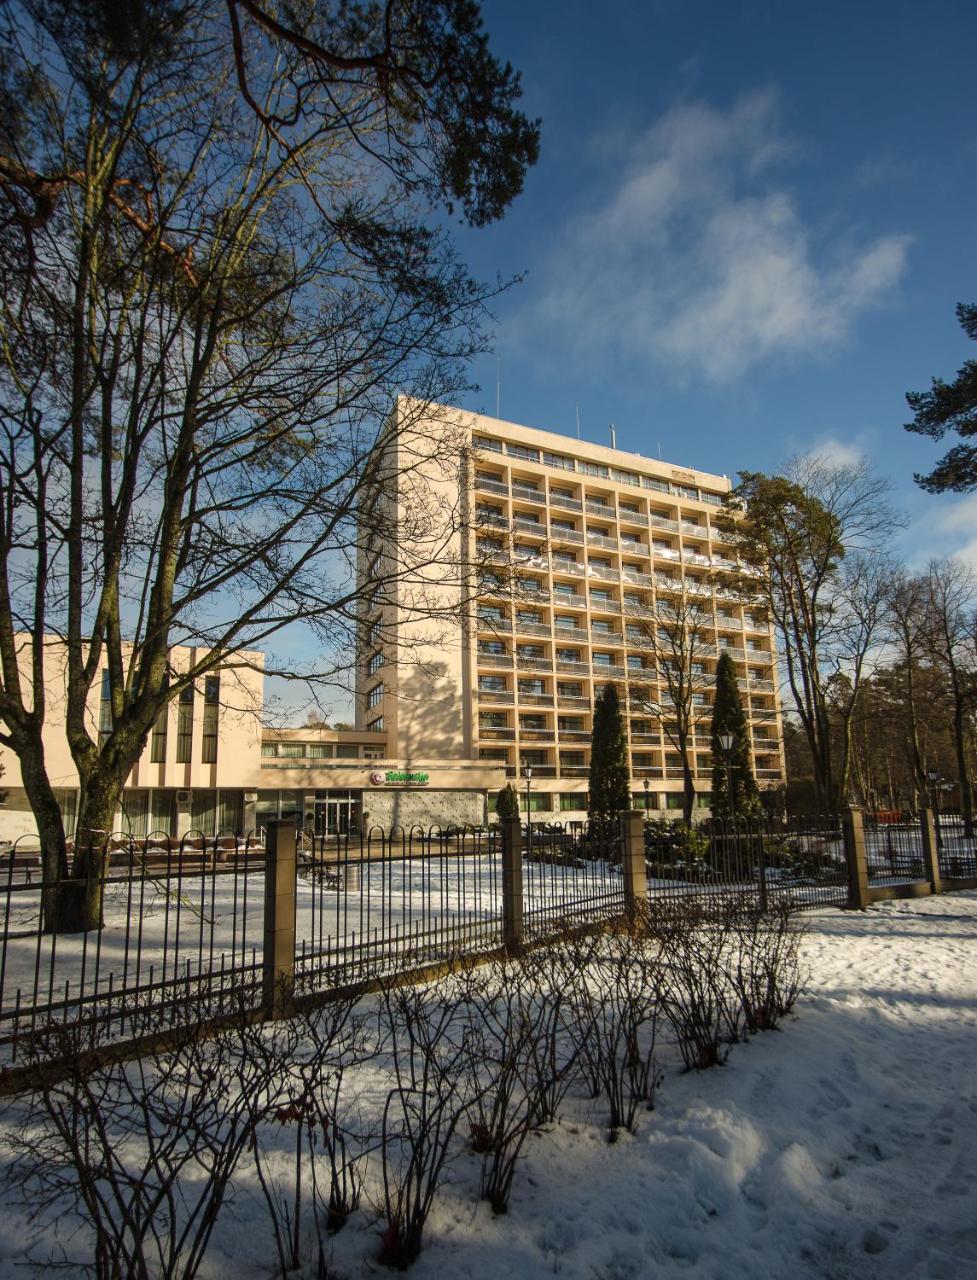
x=400, y=777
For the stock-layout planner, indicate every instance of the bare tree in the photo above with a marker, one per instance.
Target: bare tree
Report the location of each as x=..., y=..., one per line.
x=793, y=534
x=205, y=325
x=951, y=602
x=682, y=638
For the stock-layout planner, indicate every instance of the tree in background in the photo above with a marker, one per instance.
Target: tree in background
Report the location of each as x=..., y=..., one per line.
x=610, y=775
x=950, y=406
x=810, y=545
x=222, y=260
x=734, y=788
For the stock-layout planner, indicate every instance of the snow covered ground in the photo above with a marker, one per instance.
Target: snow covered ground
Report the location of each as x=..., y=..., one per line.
x=843, y=1146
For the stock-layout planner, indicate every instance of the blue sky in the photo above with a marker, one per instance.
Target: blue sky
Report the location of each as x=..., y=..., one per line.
x=747, y=232
x=746, y=235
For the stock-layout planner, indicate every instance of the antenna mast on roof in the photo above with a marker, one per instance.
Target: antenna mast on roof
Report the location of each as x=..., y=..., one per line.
x=578, y=422
x=613, y=437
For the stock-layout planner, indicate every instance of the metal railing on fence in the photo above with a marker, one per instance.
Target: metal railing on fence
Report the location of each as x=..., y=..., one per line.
x=199, y=927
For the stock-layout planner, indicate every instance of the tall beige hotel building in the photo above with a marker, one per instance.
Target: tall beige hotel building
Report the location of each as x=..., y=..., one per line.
x=573, y=551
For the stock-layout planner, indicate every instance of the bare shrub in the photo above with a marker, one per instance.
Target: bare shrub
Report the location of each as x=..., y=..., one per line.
x=698, y=996
x=432, y=1095
x=562, y=1016
x=625, y=977
x=144, y=1151
x=312, y=1061
x=501, y=1053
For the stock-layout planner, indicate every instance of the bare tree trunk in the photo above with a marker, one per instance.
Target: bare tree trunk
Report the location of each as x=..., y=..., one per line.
x=963, y=768
x=50, y=830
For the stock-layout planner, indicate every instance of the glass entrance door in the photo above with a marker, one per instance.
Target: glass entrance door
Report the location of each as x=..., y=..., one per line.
x=335, y=813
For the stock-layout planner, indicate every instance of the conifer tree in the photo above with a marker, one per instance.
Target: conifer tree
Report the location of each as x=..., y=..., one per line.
x=507, y=802
x=734, y=789
x=610, y=776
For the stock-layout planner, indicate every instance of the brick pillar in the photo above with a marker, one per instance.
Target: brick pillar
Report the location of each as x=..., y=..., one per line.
x=278, y=976
x=513, y=931
x=931, y=854
x=633, y=860
x=857, y=862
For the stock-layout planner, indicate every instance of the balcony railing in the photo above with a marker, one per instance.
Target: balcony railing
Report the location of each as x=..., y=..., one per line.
x=569, y=602
x=600, y=540
x=604, y=606
x=536, y=735
x=563, y=700
x=691, y=530
x=494, y=659
x=528, y=495
x=660, y=522
x=535, y=699
x=534, y=664
x=601, y=509
x=496, y=695
x=532, y=628
x=568, y=504
x=607, y=672
x=529, y=526
x=574, y=771
x=488, y=734
x=573, y=668
x=601, y=571
x=761, y=686
x=571, y=634
x=491, y=486
x=648, y=771
x=615, y=638
x=566, y=535
x=574, y=735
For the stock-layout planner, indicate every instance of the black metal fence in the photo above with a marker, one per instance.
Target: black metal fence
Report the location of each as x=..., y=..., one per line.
x=192, y=928
x=956, y=849
x=801, y=860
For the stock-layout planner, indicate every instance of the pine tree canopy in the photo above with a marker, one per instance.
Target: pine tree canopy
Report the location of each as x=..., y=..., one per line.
x=734, y=789
x=610, y=778
x=950, y=406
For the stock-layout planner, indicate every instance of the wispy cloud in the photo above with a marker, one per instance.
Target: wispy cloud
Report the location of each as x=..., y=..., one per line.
x=836, y=453
x=696, y=258
x=946, y=527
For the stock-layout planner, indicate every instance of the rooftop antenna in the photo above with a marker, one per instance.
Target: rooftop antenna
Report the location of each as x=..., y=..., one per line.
x=498, y=386
x=578, y=422
x=659, y=451
x=613, y=437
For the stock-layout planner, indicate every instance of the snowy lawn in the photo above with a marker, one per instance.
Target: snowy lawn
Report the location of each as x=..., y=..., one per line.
x=843, y=1146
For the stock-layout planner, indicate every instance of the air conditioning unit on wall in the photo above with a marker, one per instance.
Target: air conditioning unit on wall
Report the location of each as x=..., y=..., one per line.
x=183, y=797
x=250, y=797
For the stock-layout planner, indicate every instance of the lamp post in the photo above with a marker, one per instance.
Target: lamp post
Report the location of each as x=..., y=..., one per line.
x=726, y=741
x=646, y=784
x=528, y=771
x=935, y=779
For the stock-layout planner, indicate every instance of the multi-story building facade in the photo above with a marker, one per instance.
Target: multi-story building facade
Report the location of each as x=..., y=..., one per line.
x=577, y=554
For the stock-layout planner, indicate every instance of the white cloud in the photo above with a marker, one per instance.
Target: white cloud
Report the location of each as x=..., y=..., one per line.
x=836, y=453
x=697, y=259
x=947, y=527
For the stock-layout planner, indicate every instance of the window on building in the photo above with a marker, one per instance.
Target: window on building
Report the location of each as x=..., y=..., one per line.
x=558, y=460
x=644, y=800
x=602, y=660
x=569, y=689
x=348, y=750
x=487, y=443
x=635, y=662
x=375, y=696
x=492, y=684
x=572, y=759
x=520, y=451
x=564, y=589
x=594, y=469
x=135, y=811
x=184, y=726
x=491, y=646
x=374, y=665
x=530, y=650
x=493, y=753
x=493, y=720
x=375, y=726
x=531, y=616
x=292, y=750
x=539, y=802
x=563, y=526
x=565, y=620
x=529, y=586
x=568, y=655
x=203, y=811
x=564, y=557
x=570, y=724
x=600, y=627
x=269, y=748
x=66, y=799
x=162, y=814
x=536, y=723
x=157, y=746
x=532, y=686
x=649, y=482
x=212, y=687
x=575, y=801
x=320, y=750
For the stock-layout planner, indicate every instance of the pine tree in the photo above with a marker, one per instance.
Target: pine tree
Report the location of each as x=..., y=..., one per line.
x=731, y=771
x=610, y=777
x=507, y=802
x=950, y=406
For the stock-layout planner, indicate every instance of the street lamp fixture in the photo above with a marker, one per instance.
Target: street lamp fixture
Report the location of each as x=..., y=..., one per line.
x=726, y=741
x=646, y=784
x=528, y=774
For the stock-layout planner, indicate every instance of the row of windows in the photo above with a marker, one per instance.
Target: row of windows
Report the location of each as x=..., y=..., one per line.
x=311, y=750
x=576, y=801
x=566, y=463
